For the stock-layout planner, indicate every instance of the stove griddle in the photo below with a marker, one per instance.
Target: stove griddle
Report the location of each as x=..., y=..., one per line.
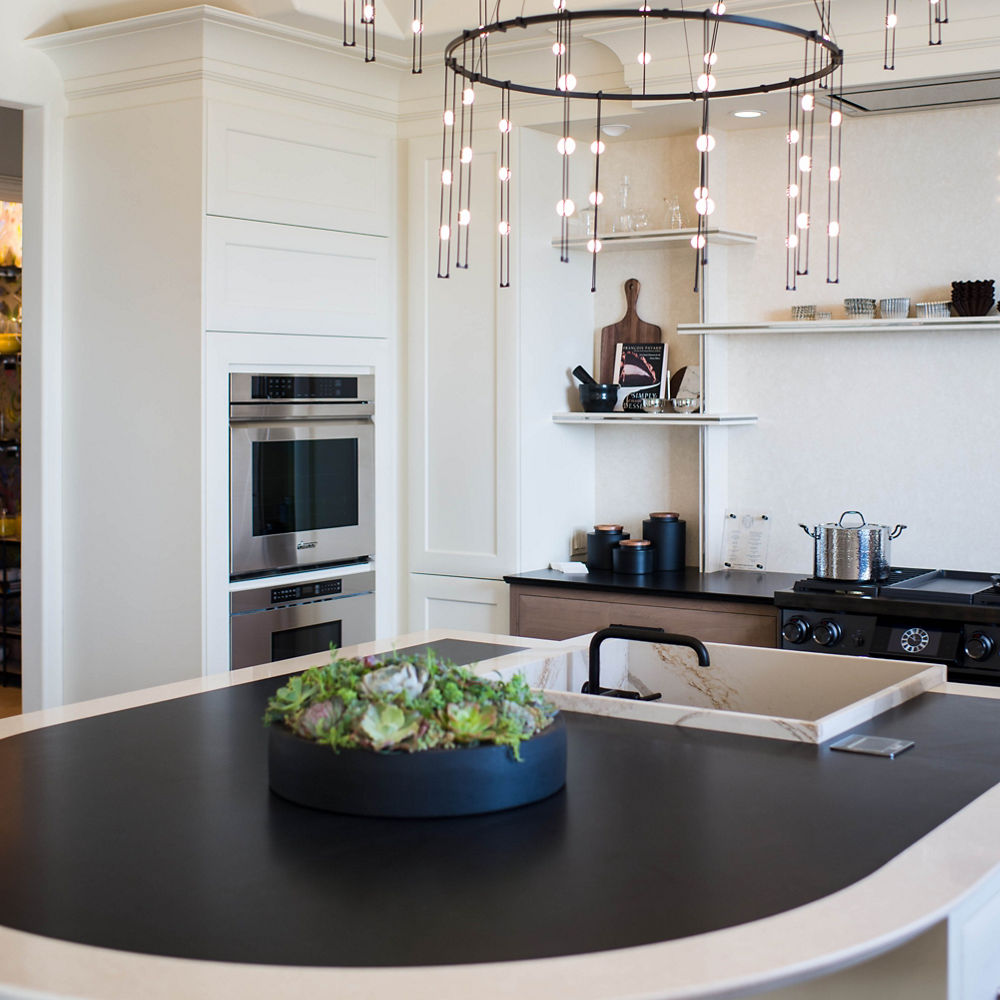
x=951, y=586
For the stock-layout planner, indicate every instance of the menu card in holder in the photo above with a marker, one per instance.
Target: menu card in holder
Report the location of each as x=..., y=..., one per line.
x=744, y=540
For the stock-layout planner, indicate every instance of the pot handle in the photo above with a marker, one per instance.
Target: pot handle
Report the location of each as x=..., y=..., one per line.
x=811, y=532
x=841, y=524
x=898, y=530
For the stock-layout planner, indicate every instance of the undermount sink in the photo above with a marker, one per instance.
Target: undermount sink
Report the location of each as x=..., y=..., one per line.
x=781, y=694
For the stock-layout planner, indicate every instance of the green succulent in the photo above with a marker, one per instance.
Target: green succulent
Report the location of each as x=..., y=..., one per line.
x=397, y=703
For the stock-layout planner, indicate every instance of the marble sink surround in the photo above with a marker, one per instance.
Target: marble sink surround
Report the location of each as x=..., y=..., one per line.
x=780, y=694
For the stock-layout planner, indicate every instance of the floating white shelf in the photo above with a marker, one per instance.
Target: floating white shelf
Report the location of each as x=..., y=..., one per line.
x=656, y=239
x=944, y=324
x=687, y=419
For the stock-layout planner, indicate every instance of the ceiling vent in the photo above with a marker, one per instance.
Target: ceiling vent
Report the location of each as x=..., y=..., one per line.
x=920, y=95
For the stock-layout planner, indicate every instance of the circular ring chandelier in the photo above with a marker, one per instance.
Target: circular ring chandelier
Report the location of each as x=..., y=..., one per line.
x=467, y=66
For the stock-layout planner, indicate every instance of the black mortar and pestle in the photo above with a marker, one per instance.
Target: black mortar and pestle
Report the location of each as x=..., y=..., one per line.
x=595, y=397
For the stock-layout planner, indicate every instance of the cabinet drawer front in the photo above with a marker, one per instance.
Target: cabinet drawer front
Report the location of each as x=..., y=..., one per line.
x=979, y=961
x=457, y=602
x=288, y=170
x=561, y=618
x=263, y=278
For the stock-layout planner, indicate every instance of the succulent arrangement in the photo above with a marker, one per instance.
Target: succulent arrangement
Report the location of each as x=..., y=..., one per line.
x=403, y=703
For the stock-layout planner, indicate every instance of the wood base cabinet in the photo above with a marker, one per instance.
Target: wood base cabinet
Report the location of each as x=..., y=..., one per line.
x=561, y=613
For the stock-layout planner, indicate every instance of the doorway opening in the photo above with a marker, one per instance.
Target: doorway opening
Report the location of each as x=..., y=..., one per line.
x=11, y=227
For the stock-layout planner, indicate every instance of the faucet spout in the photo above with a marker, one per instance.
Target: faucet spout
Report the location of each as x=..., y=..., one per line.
x=639, y=634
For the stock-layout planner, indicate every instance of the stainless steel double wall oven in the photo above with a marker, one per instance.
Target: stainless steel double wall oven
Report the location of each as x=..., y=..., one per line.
x=302, y=498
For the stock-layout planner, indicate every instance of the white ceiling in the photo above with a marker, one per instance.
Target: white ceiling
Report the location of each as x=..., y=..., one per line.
x=971, y=40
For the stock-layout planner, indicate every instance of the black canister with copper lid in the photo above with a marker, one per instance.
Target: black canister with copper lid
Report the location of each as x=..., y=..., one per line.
x=633, y=556
x=601, y=543
x=667, y=532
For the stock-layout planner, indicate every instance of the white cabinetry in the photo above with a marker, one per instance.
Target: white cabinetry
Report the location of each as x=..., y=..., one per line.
x=974, y=945
x=299, y=171
x=222, y=187
x=494, y=486
x=265, y=278
x=459, y=603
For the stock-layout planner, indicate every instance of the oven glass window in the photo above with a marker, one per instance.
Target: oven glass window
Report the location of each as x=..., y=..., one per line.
x=308, y=639
x=304, y=485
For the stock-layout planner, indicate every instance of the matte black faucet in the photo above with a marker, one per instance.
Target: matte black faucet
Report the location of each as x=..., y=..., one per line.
x=640, y=634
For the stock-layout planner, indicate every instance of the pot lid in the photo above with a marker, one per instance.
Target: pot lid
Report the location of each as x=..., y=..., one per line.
x=608, y=527
x=636, y=543
x=665, y=515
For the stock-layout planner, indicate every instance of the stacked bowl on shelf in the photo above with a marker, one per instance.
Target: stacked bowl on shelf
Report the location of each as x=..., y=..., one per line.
x=972, y=298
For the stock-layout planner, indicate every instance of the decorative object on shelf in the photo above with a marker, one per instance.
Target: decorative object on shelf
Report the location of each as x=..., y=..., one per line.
x=817, y=65
x=688, y=404
x=685, y=389
x=601, y=542
x=667, y=533
x=598, y=397
x=860, y=308
x=673, y=217
x=803, y=312
x=633, y=555
x=409, y=736
x=823, y=316
x=629, y=329
x=894, y=308
x=928, y=309
x=972, y=298
x=640, y=370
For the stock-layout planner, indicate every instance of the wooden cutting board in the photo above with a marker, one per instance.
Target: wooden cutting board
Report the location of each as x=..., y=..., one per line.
x=628, y=330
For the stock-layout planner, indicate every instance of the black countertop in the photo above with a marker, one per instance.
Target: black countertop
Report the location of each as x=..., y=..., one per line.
x=153, y=830
x=728, y=585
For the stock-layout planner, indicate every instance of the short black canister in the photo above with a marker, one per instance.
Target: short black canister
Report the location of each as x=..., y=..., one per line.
x=667, y=533
x=600, y=543
x=633, y=556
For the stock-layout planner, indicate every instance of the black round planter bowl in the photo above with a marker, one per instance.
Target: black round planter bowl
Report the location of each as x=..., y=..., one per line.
x=461, y=782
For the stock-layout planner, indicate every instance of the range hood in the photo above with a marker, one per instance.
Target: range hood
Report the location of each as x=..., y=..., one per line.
x=918, y=95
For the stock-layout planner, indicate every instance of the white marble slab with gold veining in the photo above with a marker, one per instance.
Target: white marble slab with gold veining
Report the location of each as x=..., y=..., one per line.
x=779, y=694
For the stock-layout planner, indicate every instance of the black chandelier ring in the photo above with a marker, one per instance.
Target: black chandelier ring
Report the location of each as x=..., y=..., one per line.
x=461, y=42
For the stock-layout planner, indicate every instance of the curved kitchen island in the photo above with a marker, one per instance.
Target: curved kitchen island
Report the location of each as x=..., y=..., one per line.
x=142, y=852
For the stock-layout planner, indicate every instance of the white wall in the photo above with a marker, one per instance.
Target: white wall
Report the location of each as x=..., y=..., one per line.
x=903, y=427
x=645, y=469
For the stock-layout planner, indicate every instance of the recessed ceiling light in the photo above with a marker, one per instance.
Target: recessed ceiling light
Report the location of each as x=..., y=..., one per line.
x=615, y=129
x=749, y=113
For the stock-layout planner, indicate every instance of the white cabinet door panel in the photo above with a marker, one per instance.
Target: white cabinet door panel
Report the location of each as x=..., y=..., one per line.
x=459, y=603
x=975, y=952
x=463, y=413
x=263, y=278
x=276, y=168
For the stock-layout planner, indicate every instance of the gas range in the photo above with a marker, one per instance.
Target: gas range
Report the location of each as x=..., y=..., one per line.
x=937, y=616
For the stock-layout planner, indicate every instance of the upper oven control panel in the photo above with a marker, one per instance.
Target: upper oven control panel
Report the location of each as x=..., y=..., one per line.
x=288, y=395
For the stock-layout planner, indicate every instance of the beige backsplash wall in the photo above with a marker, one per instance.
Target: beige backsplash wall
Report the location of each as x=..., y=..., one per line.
x=903, y=426
x=644, y=469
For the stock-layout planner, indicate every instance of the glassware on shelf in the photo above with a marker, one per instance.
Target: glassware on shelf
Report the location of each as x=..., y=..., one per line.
x=640, y=220
x=623, y=222
x=673, y=218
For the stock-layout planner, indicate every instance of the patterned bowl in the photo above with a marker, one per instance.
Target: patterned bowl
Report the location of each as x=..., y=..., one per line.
x=894, y=308
x=860, y=308
x=926, y=310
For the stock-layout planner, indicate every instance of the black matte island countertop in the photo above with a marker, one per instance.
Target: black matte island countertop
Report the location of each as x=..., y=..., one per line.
x=141, y=852
x=727, y=585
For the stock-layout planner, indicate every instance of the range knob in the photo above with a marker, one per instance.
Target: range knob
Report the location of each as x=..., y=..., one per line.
x=827, y=633
x=978, y=646
x=796, y=630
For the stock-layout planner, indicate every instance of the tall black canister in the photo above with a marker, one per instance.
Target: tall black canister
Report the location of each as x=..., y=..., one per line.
x=666, y=531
